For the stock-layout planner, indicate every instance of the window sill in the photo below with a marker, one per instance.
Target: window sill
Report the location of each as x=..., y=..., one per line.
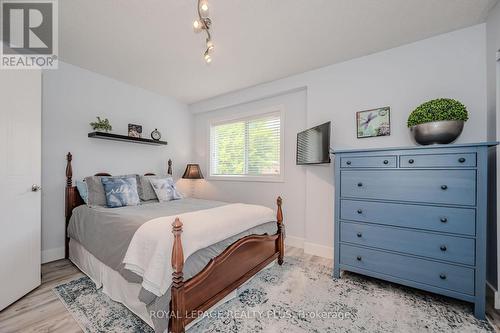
x=263, y=179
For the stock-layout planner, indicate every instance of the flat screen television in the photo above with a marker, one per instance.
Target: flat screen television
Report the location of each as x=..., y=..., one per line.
x=313, y=145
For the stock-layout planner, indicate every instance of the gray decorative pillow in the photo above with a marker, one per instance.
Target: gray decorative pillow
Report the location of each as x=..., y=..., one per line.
x=146, y=191
x=96, y=194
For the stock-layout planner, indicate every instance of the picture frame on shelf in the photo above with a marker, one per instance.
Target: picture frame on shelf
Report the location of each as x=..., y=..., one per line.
x=134, y=131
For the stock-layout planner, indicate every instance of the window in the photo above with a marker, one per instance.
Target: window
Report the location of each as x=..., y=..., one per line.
x=247, y=148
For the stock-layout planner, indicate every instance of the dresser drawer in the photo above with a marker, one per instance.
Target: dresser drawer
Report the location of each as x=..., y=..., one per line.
x=368, y=162
x=433, y=186
x=442, y=219
x=437, y=246
x=438, y=160
x=446, y=276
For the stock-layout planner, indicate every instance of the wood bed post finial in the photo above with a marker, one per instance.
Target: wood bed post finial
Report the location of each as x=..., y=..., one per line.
x=169, y=169
x=279, y=215
x=177, y=253
x=177, y=322
x=281, y=231
x=68, y=204
x=69, y=170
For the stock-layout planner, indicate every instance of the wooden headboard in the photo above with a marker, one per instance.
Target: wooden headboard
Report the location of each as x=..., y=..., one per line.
x=73, y=198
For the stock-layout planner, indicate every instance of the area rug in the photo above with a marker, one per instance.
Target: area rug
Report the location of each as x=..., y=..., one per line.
x=296, y=297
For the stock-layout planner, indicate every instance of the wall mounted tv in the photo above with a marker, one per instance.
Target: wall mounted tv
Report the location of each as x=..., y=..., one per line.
x=313, y=145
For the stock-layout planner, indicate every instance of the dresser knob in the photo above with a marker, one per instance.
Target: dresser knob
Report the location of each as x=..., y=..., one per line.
x=360, y=184
x=358, y=258
x=411, y=161
x=360, y=211
x=348, y=162
x=443, y=248
x=461, y=160
x=442, y=276
x=359, y=234
x=444, y=219
x=386, y=162
x=444, y=187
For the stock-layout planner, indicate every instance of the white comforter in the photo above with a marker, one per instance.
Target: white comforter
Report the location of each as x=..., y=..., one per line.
x=150, y=251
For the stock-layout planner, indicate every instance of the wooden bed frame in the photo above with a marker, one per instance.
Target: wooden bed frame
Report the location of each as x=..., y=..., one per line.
x=222, y=275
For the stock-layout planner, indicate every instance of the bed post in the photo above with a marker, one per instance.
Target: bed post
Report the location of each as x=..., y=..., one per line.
x=69, y=184
x=177, y=310
x=169, y=169
x=281, y=232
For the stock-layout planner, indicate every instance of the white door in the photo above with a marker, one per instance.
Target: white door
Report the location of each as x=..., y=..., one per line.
x=20, y=164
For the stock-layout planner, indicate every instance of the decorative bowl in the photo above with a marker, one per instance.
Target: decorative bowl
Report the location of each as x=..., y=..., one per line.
x=437, y=132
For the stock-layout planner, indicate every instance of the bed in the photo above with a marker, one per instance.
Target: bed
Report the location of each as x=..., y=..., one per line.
x=210, y=266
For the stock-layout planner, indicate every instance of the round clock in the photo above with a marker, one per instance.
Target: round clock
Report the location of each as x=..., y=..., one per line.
x=155, y=135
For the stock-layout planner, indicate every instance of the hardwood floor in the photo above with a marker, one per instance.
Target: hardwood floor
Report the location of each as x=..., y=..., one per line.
x=41, y=311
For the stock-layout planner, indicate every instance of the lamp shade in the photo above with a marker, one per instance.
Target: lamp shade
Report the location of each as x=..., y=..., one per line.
x=193, y=171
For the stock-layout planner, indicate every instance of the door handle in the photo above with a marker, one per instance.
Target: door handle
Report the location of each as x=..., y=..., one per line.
x=36, y=188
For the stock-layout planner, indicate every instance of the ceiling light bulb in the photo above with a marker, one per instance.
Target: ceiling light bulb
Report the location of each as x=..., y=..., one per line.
x=210, y=46
x=197, y=25
x=208, y=58
x=204, y=7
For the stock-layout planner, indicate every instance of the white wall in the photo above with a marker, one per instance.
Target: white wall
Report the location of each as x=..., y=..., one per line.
x=450, y=65
x=492, y=46
x=72, y=98
x=263, y=193
x=493, y=72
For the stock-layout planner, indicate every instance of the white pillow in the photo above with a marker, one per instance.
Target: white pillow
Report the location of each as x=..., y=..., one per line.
x=165, y=189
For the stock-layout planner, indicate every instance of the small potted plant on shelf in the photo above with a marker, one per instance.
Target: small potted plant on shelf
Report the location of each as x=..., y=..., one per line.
x=439, y=121
x=101, y=125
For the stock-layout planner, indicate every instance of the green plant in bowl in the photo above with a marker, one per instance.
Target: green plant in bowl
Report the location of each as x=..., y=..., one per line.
x=439, y=121
x=438, y=110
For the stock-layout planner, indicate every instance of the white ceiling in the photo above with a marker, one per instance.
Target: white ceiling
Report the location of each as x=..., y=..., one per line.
x=151, y=44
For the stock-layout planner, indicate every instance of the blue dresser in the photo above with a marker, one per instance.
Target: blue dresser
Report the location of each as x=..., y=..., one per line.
x=415, y=216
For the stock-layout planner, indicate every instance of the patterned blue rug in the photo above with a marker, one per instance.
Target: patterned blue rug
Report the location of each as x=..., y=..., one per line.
x=294, y=298
x=95, y=311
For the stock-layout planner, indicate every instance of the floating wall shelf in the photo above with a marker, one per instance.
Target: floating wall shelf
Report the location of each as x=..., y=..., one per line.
x=125, y=138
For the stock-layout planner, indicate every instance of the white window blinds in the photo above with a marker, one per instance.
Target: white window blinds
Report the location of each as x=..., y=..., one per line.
x=246, y=147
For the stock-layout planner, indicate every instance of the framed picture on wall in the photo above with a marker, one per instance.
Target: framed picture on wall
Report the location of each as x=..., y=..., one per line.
x=375, y=122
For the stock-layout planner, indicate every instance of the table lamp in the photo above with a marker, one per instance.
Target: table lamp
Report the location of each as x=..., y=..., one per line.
x=193, y=171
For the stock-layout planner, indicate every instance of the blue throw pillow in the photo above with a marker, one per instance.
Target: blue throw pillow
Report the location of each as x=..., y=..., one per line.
x=120, y=191
x=165, y=189
x=83, y=190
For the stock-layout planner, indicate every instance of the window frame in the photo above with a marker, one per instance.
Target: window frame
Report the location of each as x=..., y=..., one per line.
x=246, y=116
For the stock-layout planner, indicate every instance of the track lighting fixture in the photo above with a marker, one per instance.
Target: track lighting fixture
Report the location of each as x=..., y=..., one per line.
x=203, y=23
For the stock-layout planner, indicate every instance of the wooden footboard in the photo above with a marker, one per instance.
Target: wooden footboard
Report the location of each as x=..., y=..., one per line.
x=223, y=274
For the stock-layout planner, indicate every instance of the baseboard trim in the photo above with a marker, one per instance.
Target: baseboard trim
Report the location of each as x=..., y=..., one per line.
x=495, y=294
x=318, y=250
x=52, y=254
x=294, y=241
x=310, y=248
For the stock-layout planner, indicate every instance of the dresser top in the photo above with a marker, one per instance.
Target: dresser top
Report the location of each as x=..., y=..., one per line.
x=461, y=145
